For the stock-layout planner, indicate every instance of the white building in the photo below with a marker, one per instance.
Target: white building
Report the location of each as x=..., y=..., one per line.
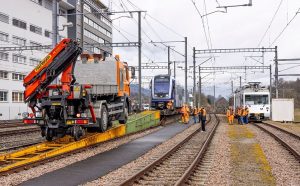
x=23, y=22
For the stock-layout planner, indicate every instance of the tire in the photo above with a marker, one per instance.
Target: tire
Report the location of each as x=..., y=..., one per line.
x=49, y=134
x=125, y=115
x=103, y=121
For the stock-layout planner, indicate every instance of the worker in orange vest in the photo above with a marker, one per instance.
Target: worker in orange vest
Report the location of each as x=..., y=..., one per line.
x=230, y=115
x=182, y=111
x=245, y=115
x=240, y=115
x=195, y=114
x=185, y=114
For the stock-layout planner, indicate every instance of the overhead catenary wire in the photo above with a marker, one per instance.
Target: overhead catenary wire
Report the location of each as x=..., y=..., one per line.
x=270, y=24
x=203, y=25
x=280, y=34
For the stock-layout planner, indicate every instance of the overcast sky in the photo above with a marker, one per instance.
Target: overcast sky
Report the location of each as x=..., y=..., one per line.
x=240, y=27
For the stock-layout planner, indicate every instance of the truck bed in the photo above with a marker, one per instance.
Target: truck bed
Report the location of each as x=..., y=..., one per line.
x=102, y=76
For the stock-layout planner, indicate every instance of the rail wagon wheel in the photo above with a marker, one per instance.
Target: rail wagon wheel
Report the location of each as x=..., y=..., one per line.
x=125, y=115
x=103, y=121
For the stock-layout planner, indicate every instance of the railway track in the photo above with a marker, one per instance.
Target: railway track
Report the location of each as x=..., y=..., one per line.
x=287, y=139
x=19, y=131
x=170, y=168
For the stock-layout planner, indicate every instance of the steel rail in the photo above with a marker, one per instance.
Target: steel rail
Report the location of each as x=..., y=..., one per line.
x=282, y=142
x=282, y=130
x=148, y=168
x=199, y=156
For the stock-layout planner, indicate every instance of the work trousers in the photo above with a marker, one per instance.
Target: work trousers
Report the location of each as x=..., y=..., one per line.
x=195, y=118
x=245, y=119
x=203, y=124
x=240, y=120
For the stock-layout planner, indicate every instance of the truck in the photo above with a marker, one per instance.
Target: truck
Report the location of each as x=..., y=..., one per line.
x=69, y=96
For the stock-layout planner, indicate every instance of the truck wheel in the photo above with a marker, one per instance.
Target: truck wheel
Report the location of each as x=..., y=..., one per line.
x=49, y=134
x=103, y=121
x=125, y=115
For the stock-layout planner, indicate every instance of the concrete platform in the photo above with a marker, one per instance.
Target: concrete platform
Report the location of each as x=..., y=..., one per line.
x=101, y=164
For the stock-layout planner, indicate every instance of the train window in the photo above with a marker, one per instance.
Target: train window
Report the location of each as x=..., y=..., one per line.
x=256, y=99
x=161, y=85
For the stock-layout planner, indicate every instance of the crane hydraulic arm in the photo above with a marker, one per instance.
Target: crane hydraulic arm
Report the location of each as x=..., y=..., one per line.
x=60, y=60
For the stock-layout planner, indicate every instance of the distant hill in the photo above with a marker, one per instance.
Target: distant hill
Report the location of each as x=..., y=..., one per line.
x=134, y=89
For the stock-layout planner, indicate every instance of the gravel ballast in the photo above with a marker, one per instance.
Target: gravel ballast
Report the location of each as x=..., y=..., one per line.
x=285, y=168
x=118, y=176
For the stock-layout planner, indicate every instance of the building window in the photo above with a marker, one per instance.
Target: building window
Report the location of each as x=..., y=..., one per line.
x=3, y=95
x=4, y=18
x=17, y=96
x=96, y=26
x=19, y=23
x=93, y=36
x=19, y=59
x=34, y=62
x=19, y=77
x=87, y=7
x=36, y=29
x=40, y=2
x=3, y=56
x=19, y=41
x=3, y=37
x=32, y=43
x=48, y=34
x=3, y=75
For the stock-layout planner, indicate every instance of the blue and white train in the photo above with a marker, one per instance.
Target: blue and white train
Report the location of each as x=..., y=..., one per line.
x=163, y=90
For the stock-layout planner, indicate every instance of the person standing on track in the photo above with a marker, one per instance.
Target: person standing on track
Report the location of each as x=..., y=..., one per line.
x=245, y=115
x=230, y=115
x=203, y=119
x=185, y=114
x=195, y=114
x=200, y=114
x=240, y=115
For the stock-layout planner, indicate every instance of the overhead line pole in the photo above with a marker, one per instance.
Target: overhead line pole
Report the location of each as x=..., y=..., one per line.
x=194, y=77
x=200, y=86
x=169, y=63
x=82, y=24
x=140, y=60
x=271, y=91
x=276, y=72
x=54, y=23
x=185, y=71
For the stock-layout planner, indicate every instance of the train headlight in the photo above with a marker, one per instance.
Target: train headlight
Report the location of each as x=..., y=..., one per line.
x=155, y=95
x=38, y=114
x=25, y=114
x=167, y=95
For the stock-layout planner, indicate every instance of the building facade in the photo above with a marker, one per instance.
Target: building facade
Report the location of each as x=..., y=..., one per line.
x=23, y=23
x=97, y=28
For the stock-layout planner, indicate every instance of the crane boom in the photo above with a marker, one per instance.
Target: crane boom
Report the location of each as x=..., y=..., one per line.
x=61, y=58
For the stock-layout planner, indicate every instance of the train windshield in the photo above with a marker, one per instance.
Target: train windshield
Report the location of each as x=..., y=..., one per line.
x=256, y=99
x=161, y=85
